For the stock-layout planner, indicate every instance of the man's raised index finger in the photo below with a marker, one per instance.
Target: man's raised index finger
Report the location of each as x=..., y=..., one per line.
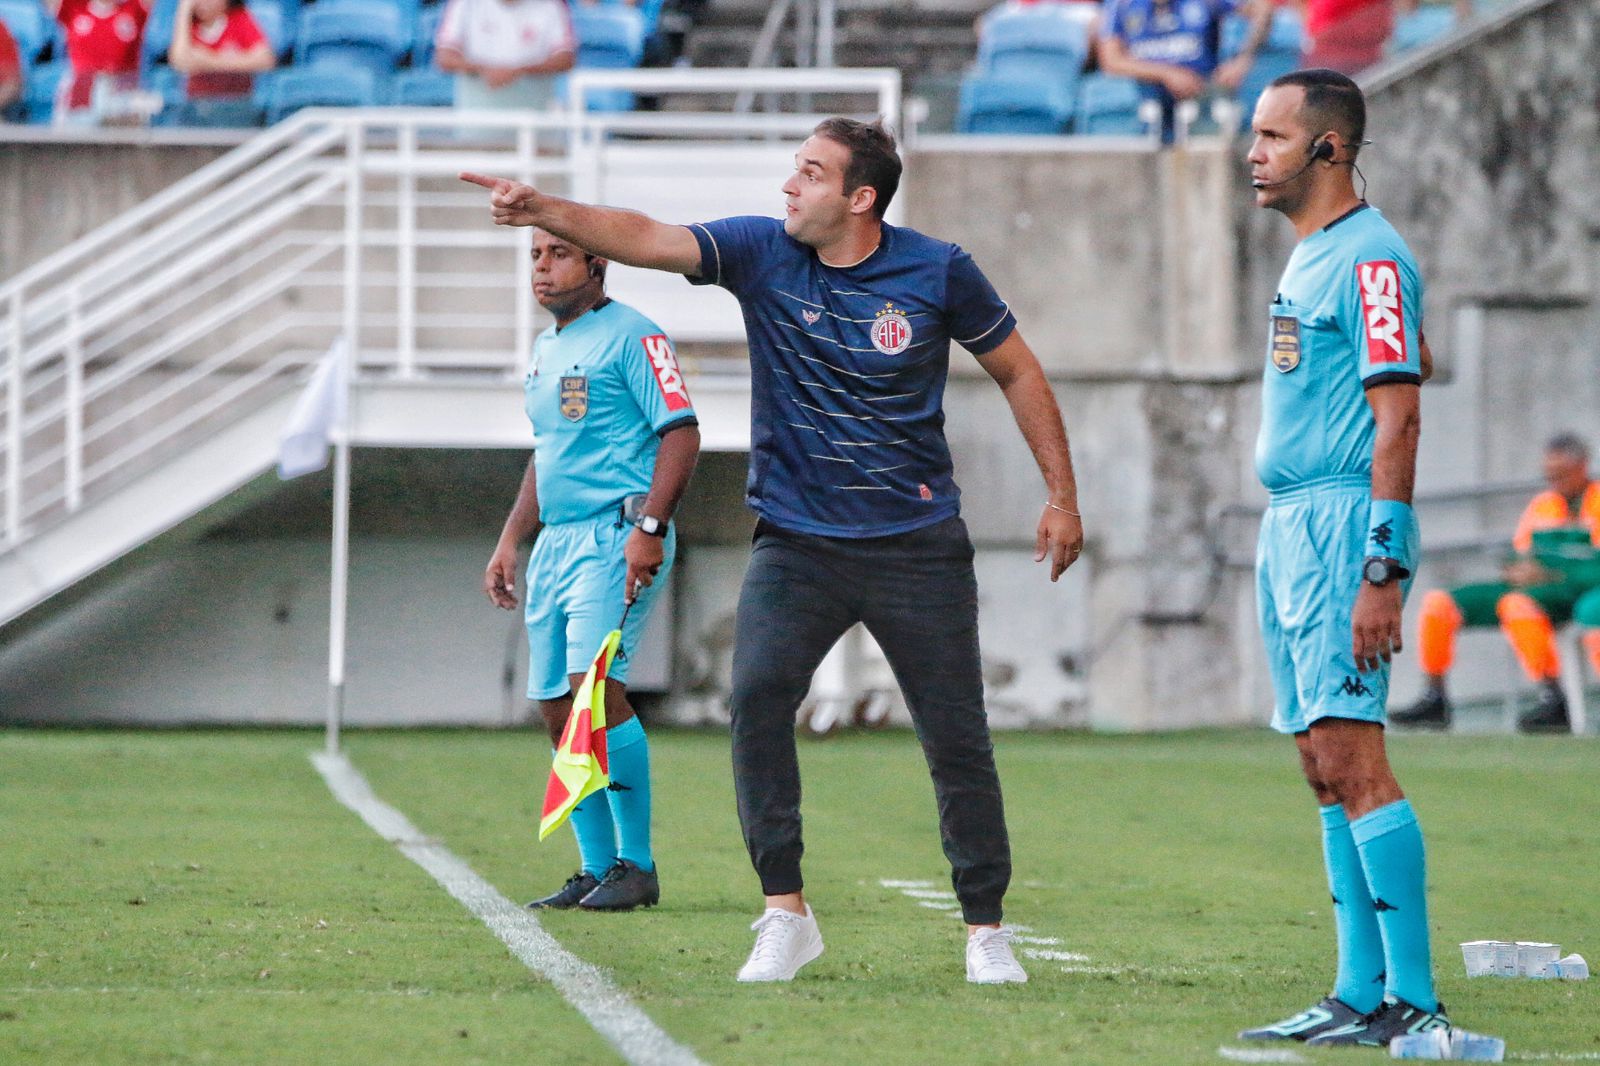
x=483, y=179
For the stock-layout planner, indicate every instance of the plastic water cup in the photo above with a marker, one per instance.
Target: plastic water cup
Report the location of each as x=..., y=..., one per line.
x=1476, y=1047
x=1479, y=957
x=1432, y=1044
x=1572, y=968
x=1535, y=957
x=1505, y=958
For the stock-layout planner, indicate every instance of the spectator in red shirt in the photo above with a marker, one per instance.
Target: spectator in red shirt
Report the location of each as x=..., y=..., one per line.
x=10, y=70
x=103, y=38
x=220, y=46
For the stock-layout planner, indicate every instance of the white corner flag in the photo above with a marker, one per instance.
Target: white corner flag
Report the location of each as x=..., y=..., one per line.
x=317, y=414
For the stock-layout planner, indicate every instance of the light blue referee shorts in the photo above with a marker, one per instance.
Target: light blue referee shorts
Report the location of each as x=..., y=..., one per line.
x=574, y=593
x=1308, y=570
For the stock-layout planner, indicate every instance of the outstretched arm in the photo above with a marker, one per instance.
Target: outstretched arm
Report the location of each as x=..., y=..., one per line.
x=610, y=232
x=1021, y=379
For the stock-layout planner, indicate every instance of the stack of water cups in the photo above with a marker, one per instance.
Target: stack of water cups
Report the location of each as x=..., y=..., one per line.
x=1456, y=1044
x=1521, y=958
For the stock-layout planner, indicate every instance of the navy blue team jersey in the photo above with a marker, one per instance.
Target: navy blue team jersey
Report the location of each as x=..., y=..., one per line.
x=847, y=372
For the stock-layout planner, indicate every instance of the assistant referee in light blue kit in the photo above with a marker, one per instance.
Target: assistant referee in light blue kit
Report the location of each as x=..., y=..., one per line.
x=615, y=441
x=1340, y=424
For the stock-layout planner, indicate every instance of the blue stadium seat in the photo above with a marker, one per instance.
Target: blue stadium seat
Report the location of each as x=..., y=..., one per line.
x=1033, y=43
x=287, y=91
x=39, y=94
x=174, y=90
x=1279, y=54
x=228, y=113
x=1003, y=105
x=427, y=29
x=423, y=88
x=365, y=35
x=31, y=27
x=278, y=19
x=1422, y=26
x=157, y=33
x=1109, y=105
x=609, y=38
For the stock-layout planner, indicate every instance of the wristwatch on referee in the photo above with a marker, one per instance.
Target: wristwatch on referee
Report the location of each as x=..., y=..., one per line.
x=1380, y=571
x=652, y=525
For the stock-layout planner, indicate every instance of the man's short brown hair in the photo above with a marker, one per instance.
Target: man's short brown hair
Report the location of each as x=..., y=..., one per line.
x=873, y=159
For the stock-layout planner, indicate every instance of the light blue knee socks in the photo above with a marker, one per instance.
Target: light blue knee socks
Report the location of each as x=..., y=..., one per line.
x=1359, y=982
x=629, y=794
x=1390, y=843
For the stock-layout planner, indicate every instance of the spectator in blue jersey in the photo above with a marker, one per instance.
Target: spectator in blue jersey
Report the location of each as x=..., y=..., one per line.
x=849, y=322
x=615, y=440
x=1171, y=47
x=1337, y=451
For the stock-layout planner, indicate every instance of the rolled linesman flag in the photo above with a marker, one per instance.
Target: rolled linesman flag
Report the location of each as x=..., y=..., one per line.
x=580, y=766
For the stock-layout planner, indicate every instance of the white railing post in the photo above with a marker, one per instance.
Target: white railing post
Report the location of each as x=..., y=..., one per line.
x=72, y=406
x=406, y=279
x=14, y=408
x=523, y=268
x=355, y=133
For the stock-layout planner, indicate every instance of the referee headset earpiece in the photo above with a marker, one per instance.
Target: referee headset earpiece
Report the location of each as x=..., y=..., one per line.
x=595, y=269
x=1321, y=148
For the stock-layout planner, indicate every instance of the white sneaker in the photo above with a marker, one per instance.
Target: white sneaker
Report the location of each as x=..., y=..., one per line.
x=785, y=941
x=989, y=958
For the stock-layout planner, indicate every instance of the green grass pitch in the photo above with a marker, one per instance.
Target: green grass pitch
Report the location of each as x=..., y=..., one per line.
x=201, y=898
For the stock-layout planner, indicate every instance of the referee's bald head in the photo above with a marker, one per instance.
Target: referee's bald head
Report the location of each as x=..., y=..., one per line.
x=1332, y=102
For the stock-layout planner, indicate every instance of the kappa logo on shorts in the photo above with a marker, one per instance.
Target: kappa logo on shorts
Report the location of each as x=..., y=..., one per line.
x=1382, y=312
x=574, y=397
x=669, y=379
x=1354, y=686
x=891, y=333
x=1285, y=345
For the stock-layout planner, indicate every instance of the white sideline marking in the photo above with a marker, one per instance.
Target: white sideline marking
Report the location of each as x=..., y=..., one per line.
x=906, y=884
x=612, y=1014
x=938, y=905
x=1054, y=956
x=1554, y=1056
x=927, y=893
x=1250, y=1054
x=1047, y=941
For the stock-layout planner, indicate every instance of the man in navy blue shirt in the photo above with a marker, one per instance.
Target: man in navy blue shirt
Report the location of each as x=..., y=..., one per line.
x=1171, y=46
x=849, y=322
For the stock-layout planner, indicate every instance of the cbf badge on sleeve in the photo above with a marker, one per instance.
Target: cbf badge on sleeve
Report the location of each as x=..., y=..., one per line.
x=1285, y=345
x=574, y=397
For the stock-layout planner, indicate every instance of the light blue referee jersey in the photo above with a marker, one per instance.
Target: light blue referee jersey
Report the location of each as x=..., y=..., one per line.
x=1348, y=316
x=599, y=394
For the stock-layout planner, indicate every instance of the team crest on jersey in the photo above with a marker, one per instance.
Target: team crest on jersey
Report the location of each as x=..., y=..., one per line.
x=1285, y=346
x=891, y=330
x=574, y=397
x=811, y=317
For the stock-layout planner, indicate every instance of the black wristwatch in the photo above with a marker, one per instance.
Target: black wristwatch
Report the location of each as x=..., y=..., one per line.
x=1380, y=571
x=652, y=525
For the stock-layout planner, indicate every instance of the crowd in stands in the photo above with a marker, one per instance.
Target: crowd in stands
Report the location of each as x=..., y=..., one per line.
x=1043, y=66
x=246, y=62
x=1127, y=66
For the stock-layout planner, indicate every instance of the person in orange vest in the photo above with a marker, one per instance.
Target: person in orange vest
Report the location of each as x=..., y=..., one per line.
x=1554, y=577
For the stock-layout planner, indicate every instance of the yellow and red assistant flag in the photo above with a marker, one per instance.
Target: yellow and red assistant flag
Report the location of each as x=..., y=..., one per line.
x=580, y=766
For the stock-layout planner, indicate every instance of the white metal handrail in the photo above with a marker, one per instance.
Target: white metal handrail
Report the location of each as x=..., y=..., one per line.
x=210, y=297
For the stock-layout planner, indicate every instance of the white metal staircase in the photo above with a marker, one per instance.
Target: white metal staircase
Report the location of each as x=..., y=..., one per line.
x=149, y=367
